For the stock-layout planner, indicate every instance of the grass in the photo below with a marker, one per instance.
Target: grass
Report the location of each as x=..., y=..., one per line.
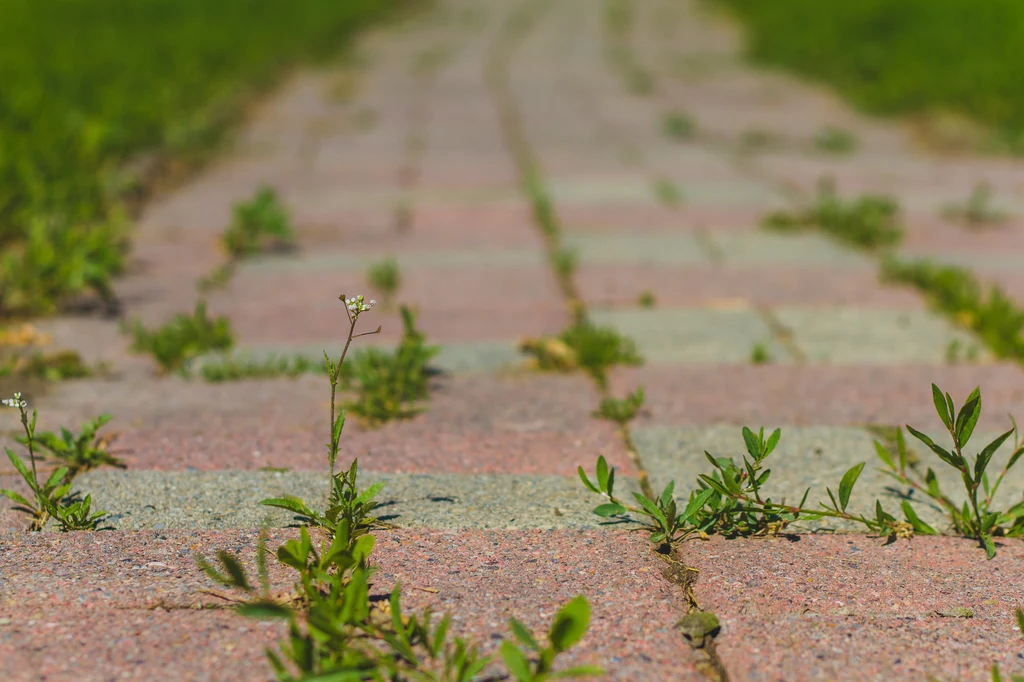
x=89, y=88
x=679, y=126
x=868, y=222
x=259, y=224
x=901, y=56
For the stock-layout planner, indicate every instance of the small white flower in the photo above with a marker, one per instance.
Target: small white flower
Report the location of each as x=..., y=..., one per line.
x=16, y=401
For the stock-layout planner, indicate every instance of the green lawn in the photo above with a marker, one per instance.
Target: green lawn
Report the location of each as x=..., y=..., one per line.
x=87, y=84
x=896, y=56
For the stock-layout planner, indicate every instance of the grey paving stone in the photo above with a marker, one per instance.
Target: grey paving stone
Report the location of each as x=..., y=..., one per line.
x=732, y=193
x=815, y=457
x=346, y=260
x=599, y=190
x=976, y=261
x=699, y=335
x=853, y=335
x=809, y=250
x=612, y=247
x=230, y=499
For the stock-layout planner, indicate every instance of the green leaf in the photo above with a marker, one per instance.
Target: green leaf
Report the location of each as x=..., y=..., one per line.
x=265, y=610
x=602, y=473
x=579, y=671
x=609, y=509
x=920, y=527
x=985, y=456
x=523, y=634
x=883, y=454
x=696, y=504
x=1014, y=457
x=952, y=459
x=586, y=481
x=945, y=412
x=570, y=624
x=846, y=485
x=234, y=570
x=715, y=485
x=55, y=478
x=773, y=440
x=968, y=417
x=515, y=661
x=651, y=508
x=22, y=469
x=666, y=496
x=751, y=441
x=990, y=546
x=10, y=494
x=901, y=449
x=369, y=493
x=291, y=503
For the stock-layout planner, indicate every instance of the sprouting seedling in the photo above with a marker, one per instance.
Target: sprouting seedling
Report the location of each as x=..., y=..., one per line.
x=384, y=277
x=759, y=354
x=565, y=260
x=646, y=299
x=667, y=192
x=975, y=518
x=679, y=126
x=621, y=411
x=256, y=223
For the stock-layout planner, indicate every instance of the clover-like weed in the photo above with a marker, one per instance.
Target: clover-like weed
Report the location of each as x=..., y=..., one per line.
x=869, y=222
x=679, y=126
x=385, y=278
x=185, y=337
x=975, y=518
x=257, y=222
x=335, y=631
x=52, y=498
x=977, y=211
x=667, y=192
x=834, y=140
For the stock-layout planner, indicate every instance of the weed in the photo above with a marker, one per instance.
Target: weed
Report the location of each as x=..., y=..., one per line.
x=78, y=453
x=51, y=499
x=977, y=211
x=760, y=355
x=1018, y=616
x=335, y=630
x=565, y=261
x=679, y=126
x=183, y=338
x=256, y=222
x=869, y=222
x=835, y=141
x=956, y=292
x=220, y=276
x=384, y=277
x=975, y=518
x=646, y=299
x=955, y=352
x=56, y=261
x=234, y=368
x=390, y=386
x=583, y=345
x=64, y=364
x=758, y=140
x=667, y=192
x=640, y=81
x=621, y=411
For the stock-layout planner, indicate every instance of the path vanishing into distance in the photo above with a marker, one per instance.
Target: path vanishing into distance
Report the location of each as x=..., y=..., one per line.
x=422, y=147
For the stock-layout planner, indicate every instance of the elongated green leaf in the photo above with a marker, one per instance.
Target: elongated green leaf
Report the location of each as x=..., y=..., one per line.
x=602, y=473
x=773, y=440
x=234, y=570
x=968, y=417
x=579, y=671
x=715, y=485
x=515, y=661
x=611, y=482
x=291, y=503
x=949, y=458
x=56, y=477
x=990, y=545
x=22, y=469
x=751, y=441
x=369, y=493
x=920, y=527
x=10, y=494
x=265, y=610
x=1014, y=457
x=523, y=634
x=901, y=449
x=666, y=495
x=945, y=412
x=883, y=454
x=696, y=503
x=846, y=485
x=570, y=624
x=985, y=456
x=586, y=481
x=651, y=508
x=609, y=509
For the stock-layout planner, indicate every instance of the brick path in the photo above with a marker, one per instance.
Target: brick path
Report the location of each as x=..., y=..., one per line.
x=425, y=162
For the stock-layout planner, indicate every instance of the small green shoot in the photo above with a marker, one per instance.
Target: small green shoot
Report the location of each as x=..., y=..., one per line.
x=385, y=278
x=567, y=629
x=646, y=299
x=760, y=354
x=667, y=192
x=257, y=223
x=621, y=411
x=975, y=518
x=679, y=126
x=182, y=339
x=78, y=453
x=583, y=345
x=832, y=140
x=977, y=212
x=565, y=261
